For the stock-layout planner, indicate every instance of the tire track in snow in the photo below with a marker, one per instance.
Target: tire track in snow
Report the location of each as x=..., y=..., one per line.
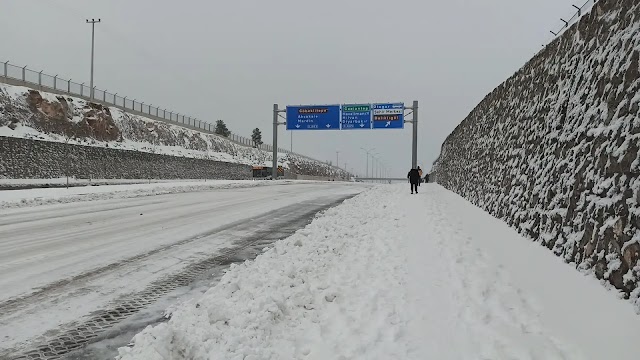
x=75, y=336
x=14, y=304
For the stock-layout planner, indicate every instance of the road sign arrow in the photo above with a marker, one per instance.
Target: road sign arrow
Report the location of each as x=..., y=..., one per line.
x=388, y=124
x=361, y=125
x=298, y=126
x=328, y=126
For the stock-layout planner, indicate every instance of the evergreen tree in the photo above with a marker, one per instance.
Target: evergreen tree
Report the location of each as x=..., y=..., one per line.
x=221, y=128
x=256, y=136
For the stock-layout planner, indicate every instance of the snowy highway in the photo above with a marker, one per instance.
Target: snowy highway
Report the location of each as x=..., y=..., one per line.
x=381, y=274
x=390, y=275
x=62, y=264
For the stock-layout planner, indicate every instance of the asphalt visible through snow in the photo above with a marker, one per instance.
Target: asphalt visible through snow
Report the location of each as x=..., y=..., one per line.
x=77, y=280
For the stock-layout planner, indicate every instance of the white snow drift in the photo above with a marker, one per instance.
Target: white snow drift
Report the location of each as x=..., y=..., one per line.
x=45, y=196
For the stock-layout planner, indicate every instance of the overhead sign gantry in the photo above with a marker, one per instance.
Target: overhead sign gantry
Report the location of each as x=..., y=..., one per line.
x=346, y=117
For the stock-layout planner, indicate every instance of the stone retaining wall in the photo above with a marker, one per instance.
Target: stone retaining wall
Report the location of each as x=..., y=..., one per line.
x=553, y=151
x=25, y=159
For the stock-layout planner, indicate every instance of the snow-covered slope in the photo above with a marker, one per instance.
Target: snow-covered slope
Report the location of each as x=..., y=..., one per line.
x=31, y=114
x=553, y=150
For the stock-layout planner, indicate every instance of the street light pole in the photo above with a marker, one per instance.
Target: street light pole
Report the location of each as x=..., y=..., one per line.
x=373, y=166
x=366, y=172
x=337, y=159
x=93, y=30
x=376, y=166
x=367, y=152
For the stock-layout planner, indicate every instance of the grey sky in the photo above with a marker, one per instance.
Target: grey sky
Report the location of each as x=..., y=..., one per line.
x=232, y=60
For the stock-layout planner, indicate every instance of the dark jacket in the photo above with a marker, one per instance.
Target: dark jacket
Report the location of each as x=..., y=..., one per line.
x=413, y=176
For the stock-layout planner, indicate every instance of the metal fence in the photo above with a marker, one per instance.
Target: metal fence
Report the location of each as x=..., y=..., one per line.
x=22, y=76
x=580, y=10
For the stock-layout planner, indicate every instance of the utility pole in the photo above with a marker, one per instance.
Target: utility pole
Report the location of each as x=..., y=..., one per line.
x=93, y=30
x=337, y=158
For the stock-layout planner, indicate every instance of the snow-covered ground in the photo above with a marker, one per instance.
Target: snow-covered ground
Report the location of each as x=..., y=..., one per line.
x=43, y=196
x=76, y=182
x=60, y=263
x=389, y=275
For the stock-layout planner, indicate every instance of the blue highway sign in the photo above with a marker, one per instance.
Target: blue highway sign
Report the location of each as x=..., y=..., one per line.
x=313, y=117
x=356, y=117
x=388, y=116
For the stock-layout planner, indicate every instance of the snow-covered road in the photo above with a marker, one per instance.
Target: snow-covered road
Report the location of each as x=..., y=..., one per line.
x=61, y=262
x=389, y=275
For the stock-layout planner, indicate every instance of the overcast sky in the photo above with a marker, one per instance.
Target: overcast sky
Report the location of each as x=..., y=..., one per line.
x=233, y=60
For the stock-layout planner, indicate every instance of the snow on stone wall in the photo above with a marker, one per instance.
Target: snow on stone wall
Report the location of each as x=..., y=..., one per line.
x=553, y=151
x=31, y=114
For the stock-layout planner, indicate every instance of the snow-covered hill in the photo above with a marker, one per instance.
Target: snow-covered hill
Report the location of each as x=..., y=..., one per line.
x=32, y=114
x=553, y=150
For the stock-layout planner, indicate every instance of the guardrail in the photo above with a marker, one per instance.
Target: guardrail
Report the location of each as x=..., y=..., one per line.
x=580, y=10
x=38, y=80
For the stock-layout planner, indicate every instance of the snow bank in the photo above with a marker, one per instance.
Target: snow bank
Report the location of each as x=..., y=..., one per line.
x=389, y=275
x=328, y=291
x=33, y=197
x=57, y=182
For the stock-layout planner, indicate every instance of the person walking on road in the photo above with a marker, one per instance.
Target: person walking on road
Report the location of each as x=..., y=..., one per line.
x=420, y=172
x=414, y=179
